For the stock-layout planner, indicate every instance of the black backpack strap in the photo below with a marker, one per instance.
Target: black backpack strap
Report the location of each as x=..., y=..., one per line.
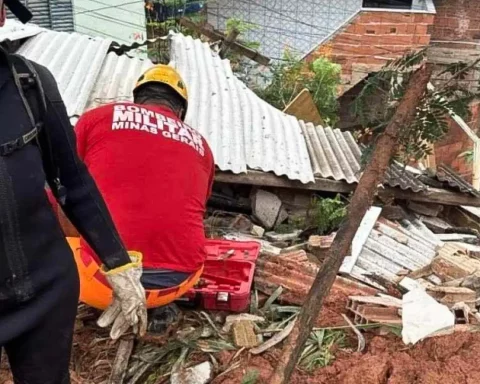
x=26, y=78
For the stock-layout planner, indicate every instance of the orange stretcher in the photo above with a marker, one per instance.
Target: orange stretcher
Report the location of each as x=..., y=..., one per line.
x=96, y=292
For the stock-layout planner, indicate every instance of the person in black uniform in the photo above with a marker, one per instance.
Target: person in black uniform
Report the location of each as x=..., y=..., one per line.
x=39, y=284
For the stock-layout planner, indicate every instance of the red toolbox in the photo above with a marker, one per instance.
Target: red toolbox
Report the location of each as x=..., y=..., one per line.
x=227, y=276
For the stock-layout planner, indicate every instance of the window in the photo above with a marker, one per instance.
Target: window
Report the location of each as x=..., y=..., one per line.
x=391, y=4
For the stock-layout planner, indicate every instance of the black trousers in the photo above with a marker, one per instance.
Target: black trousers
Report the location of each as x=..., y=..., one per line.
x=37, y=334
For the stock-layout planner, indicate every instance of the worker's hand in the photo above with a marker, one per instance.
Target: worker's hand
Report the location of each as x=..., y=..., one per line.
x=128, y=308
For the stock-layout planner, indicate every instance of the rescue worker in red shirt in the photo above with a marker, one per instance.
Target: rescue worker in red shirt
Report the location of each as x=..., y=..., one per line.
x=155, y=174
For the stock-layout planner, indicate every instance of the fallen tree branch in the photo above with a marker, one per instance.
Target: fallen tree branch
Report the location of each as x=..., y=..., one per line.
x=362, y=199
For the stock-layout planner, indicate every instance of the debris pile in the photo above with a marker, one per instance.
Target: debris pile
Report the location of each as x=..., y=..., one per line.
x=412, y=274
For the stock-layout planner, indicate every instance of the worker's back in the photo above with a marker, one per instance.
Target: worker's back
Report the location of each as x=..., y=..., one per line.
x=155, y=174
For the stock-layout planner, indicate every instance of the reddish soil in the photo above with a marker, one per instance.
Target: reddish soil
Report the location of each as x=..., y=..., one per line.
x=450, y=359
x=296, y=278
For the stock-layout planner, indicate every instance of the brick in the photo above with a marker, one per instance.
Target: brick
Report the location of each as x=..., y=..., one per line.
x=452, y=295
x=350, y=28
x=244, y=334
x=323, y=242
x=374, y=310
x=452, y=22
x=389, y=17
x=367, y=50
x=440, y=21
x=453, y=263
x=421, y=40
x=421, y=29
x=296, y=279
x=360, y=29
x=424, y=18
x=411, y=28
x=348, y=38
x=381, y=40
x=392, y=28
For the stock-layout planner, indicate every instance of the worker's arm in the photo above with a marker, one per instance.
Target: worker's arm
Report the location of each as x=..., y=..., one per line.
x=84, y=206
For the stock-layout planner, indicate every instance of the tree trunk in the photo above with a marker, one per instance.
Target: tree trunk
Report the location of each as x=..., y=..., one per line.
x=373, y=176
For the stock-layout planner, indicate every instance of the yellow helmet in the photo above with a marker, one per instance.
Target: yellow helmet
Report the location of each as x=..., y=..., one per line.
x=164, y=74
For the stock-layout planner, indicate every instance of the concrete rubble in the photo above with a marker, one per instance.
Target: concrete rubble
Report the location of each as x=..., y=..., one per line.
x=268, y=209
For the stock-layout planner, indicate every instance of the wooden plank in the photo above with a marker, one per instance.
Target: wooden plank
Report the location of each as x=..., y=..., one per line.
x=433, y=195
x=216, y=35
x=271, y=180
x=303, y=108
x=229, y=40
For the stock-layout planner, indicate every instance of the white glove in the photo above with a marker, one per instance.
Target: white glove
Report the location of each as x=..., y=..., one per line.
x=129, y=307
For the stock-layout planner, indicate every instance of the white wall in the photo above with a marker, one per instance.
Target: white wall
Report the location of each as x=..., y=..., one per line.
x=120, y=20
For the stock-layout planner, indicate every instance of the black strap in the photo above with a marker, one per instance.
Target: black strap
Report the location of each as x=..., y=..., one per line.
x=11, y=146
x=29, y=78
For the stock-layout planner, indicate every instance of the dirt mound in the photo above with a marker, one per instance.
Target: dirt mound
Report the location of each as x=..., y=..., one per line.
x=450, y=359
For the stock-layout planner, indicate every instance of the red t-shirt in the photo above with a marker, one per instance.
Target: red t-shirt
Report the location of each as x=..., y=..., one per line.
x=155, y=174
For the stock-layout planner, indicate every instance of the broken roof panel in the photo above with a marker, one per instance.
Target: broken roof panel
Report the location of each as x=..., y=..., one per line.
x=398, y=176
x=75, y=61
x=14, y=30
x=336, y=155
x=242, y=130
x=391, y=248
x=454, y=180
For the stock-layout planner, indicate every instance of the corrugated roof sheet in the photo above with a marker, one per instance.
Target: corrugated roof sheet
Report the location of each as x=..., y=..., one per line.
x=117, y=79
x=14, y=30
x=336, y=155
x=242, y=130
x=454, y=180
x=393, y=247
x=398, y=176
x=75, y=61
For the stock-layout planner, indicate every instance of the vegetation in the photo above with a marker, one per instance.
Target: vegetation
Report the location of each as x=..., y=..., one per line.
x=291, y=75
x=323, y=216
x=327, y=214
x=251, y=377
x=378, y=100
x=318, y=348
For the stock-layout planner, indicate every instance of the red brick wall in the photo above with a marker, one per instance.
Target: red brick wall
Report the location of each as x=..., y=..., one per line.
x=447, y=151
x=457, y=20
x=372, y=38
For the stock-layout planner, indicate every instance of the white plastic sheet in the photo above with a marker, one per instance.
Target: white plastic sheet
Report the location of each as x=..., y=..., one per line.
x=423, y=316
